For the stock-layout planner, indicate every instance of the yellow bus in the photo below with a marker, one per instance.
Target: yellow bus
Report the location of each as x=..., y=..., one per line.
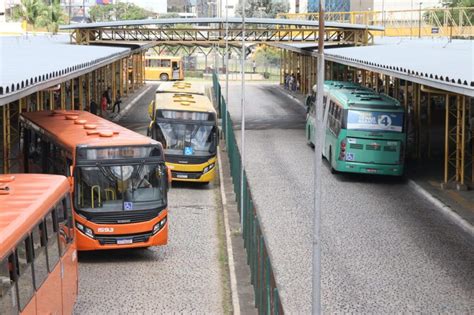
x=163, y=68
x=181, y=87
x=186, y=125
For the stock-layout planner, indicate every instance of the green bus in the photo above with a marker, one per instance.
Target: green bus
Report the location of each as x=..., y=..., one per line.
x=365, y=131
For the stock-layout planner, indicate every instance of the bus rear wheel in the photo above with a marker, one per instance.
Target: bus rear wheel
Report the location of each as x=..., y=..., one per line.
x=308, y=139
x=164, y=77
x=333, y=170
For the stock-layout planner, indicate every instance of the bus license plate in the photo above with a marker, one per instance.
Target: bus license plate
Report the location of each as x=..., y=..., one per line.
x=125, y=241
x=182, y=176
x=371, y=170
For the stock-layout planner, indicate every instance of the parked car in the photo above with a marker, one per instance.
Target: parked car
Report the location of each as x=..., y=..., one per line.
x=80, y=19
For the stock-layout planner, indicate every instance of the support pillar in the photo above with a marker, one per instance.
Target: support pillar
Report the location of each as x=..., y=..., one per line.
x=72, y=95
x=6, y=137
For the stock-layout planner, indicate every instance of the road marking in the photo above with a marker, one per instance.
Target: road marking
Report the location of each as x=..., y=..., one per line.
x=444, y=209
x=230, y=253
x=130, y=105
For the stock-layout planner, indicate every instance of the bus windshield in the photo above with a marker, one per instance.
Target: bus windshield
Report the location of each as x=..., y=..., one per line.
x=126, y=187
x=188, y=139
x=374, y=121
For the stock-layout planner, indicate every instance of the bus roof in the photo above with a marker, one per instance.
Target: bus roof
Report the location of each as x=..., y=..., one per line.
x=174, y=58
x=69, y=128
x=351, y=94
x=28, y=198
x=181, y=86
x=184, y=102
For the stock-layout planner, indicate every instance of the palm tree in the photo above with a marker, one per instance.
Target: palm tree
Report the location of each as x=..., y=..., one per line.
x=52, y=16
x=29, y=10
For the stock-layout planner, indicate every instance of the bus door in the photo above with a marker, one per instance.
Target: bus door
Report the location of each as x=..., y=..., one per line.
x=175, y=67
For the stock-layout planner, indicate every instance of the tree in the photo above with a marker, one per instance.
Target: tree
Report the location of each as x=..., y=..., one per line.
x=453, y=4
x=265, y=54
x=263, y=8
x=129, y=11
x=118, y=11
x=101, y=13
x=28, y=10
x=52, y=16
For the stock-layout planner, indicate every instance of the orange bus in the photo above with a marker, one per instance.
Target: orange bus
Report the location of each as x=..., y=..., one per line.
x=119, y=177
x=38, y=257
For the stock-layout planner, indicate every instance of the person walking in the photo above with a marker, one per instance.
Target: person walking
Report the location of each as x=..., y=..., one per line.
x=108, y=95
x=117, y=103
x=103, y=103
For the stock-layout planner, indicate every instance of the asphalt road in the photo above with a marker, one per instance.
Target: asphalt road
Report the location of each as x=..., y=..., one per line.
x=385, y=249
x=183, y=277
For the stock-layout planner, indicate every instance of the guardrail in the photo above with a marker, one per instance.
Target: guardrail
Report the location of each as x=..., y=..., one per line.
x=267, y=299
x=457, y=21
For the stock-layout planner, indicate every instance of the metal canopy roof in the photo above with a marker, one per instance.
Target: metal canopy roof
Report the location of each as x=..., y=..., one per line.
x=234, y=20
x=435, y=62
x=35, y=63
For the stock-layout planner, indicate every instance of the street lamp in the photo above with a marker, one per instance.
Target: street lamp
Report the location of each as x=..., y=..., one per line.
x=242, y=106
x=419, y=20
x=318, y=148
x=227, y=7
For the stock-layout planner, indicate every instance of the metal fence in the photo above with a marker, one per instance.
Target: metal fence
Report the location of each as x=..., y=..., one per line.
x=267, y=299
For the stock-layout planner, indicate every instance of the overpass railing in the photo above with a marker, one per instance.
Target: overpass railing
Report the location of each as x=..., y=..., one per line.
x=267, y=299
x=457, y=21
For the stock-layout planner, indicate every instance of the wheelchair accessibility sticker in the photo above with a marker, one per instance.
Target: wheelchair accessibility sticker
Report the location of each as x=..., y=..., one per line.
x=128, y=205
x=188, y=151
x=349, y=156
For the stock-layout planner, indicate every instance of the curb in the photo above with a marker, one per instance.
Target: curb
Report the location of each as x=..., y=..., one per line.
x=230, y=253
x=131, y=104
x=444, y=209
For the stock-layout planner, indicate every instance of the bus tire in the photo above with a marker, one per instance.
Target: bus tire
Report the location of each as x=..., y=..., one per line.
x=164, y=77
x=308, y=138
x=333, y=170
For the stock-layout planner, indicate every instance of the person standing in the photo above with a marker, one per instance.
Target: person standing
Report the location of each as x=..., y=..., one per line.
x=93, y=107
x=117, y=103
x=103, y=103
x=108, y=95
x=254, y=66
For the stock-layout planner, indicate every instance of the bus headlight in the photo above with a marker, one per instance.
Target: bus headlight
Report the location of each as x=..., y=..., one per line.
x=208, y=168
x=159, y=225
x=84, y=229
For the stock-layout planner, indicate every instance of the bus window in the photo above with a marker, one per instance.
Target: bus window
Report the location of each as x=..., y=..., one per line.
x=165, y=63
x=63, y=228
x=7, y=290
x=25, y=272
x=40, y=263
x=52, y=243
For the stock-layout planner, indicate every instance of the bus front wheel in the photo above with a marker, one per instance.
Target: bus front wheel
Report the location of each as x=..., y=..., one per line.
x=164, y=77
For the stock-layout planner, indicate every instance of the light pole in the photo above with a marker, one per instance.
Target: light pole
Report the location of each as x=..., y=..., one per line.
x=227, y=7
x=316, y=270
x=419, y=20
x=242, y=125
x=383, y=16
